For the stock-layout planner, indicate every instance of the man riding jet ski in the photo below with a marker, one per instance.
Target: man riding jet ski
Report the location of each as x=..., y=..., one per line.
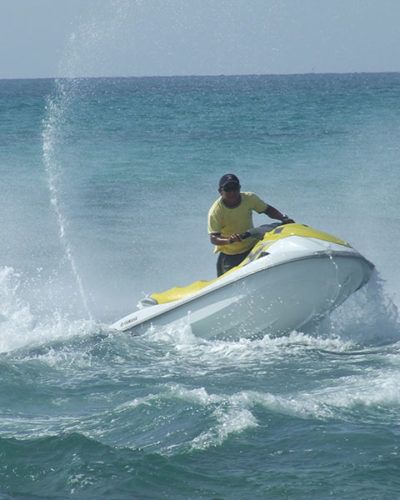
x=292, y=277
x=230, y=216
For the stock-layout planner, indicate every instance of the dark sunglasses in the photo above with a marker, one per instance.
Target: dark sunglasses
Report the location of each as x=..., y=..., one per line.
x=231, y=187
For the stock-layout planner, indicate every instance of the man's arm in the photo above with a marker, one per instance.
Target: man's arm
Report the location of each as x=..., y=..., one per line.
x=276, y=214
x=217, y=239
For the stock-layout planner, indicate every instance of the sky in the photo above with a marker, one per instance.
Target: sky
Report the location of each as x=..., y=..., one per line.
x=72, y=38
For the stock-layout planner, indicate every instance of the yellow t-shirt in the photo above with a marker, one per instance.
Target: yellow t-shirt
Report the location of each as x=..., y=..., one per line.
x=227, y=221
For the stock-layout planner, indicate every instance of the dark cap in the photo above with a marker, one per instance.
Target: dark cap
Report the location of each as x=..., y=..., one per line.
x=228, y=179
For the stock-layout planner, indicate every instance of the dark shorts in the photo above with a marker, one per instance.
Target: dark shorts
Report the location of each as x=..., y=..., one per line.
x=226, y=262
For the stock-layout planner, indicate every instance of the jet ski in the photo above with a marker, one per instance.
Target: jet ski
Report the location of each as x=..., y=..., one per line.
x=294, y=276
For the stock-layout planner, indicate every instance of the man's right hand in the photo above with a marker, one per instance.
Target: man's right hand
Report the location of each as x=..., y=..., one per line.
x=233, y=238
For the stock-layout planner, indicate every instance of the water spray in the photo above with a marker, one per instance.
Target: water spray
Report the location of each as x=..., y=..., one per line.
x=50, y=136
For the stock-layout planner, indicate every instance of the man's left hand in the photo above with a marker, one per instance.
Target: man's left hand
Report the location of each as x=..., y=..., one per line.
x=287, y=220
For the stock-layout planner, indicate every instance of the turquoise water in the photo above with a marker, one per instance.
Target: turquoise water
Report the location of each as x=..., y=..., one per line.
x=106, y=184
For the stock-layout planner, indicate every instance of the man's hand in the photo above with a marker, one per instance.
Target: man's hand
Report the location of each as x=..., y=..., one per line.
x=218, y=239
x=233, y=238
x=286, y=220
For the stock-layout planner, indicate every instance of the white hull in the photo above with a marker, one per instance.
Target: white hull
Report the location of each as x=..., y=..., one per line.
x=298, y=282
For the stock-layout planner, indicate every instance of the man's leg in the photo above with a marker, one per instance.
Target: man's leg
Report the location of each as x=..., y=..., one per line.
x=220, y=264
x=226, y=262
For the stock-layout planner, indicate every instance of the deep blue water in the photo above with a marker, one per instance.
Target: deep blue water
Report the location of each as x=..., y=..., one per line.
x=106, y=184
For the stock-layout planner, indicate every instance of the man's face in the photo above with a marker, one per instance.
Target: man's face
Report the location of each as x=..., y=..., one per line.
x=231, y=194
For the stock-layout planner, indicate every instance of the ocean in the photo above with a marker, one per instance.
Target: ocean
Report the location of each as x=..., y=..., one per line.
x=105, y=188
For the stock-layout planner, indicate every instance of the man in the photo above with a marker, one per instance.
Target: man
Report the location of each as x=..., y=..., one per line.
x=231, y=215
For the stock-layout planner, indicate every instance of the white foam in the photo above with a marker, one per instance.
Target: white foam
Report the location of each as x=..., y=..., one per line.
x=20, y=328
x=230, y=413
x=204, y=354
x=369, y=316
x=234, y=420
x=340, y=400
x=134, y=403
x=178, y=333
x=372, y=389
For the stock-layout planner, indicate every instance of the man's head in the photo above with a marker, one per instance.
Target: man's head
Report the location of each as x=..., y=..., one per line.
x=229, y=189
x=229, y=182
